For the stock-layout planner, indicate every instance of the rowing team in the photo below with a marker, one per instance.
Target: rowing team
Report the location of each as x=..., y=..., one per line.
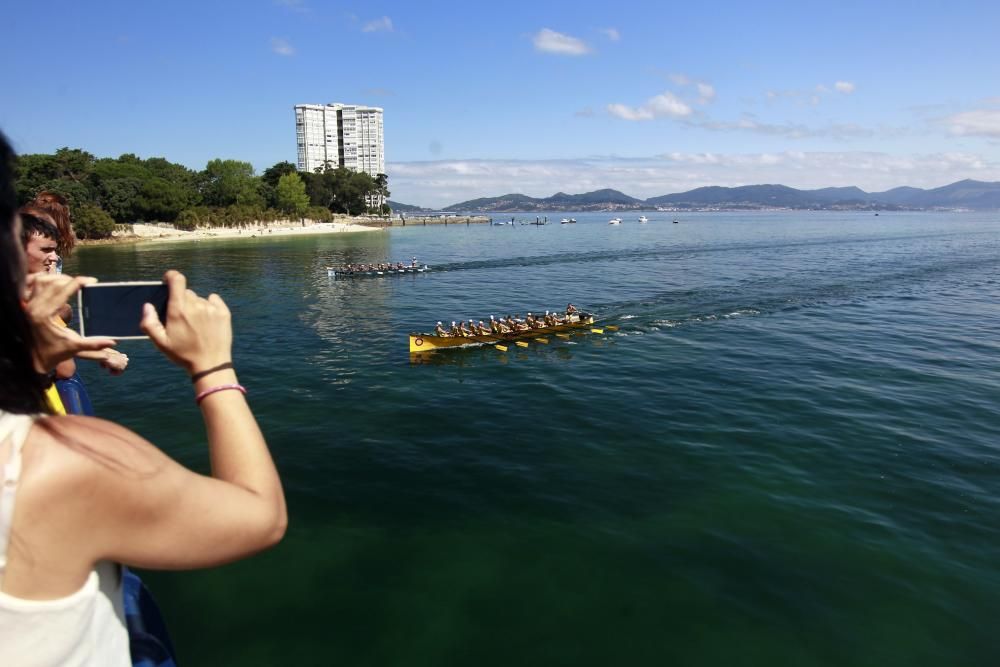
x=505, y=325
x=364, y=268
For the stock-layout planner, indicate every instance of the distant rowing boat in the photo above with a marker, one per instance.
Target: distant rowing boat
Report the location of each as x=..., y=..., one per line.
x=335, y=273
x=421, y=342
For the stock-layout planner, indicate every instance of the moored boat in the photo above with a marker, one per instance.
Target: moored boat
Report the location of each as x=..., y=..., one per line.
x=643, y=219
x=615, y=221
x=428, y=342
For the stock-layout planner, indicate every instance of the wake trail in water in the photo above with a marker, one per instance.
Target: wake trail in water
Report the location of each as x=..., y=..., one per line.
x=669, y=251
x=675, y=308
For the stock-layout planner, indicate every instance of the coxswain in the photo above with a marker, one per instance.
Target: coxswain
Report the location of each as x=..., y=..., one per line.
x=413, y=263
x=439, y=331
x=570, y=309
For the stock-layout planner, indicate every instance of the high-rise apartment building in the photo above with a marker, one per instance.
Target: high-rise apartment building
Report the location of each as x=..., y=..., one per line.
x=343, y=135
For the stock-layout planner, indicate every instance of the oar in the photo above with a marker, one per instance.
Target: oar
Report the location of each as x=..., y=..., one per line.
x=520, y=343
x=542, y=340
x=502, y=348
x=564, y=336
x=600, y=331
x=611, y=327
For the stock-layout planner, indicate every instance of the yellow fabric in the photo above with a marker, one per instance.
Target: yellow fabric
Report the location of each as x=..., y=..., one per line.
x=54, y=401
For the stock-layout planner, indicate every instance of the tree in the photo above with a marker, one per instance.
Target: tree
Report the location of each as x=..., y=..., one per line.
x=66, y=172
x=272, y=174
x=161, y=199
x=118, y=197
x=227, y=182
x=381, y=191
x=90, y=222
x=291, y=195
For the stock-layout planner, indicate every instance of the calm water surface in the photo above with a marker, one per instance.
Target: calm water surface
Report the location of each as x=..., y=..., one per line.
x=789, y=453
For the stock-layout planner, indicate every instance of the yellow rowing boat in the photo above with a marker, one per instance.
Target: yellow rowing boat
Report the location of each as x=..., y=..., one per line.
x=420, y=342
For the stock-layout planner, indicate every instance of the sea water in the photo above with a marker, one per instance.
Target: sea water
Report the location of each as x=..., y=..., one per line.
x=787, y=453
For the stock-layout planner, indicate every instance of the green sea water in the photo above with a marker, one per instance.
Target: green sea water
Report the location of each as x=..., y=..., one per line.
x=786, y=455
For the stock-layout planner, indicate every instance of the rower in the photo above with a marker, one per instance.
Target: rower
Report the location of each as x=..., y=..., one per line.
x=439, y=331
x=494, y=325
x=483, y=329
x=462, y=331
x=473, y=329
x=455, y=331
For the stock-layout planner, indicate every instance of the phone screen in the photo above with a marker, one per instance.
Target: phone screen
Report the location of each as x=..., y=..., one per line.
x=115, y=309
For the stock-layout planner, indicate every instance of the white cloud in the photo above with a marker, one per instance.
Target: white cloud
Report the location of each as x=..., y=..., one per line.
x=845, y=87
x=550, y=41
x=282, y=47
x=981, y=122
x=749, y=123
x=664, y=105
x=441, y=183
x=706, y=93
x=612, y=34
x=383, y=24
x=629, y=113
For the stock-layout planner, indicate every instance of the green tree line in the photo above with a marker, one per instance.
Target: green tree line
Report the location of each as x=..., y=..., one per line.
x=226, y=193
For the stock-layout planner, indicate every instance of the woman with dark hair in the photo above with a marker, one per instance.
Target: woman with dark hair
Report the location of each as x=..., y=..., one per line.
x=79, y=495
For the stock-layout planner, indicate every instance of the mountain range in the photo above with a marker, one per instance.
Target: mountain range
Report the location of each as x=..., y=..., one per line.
x=967, y=194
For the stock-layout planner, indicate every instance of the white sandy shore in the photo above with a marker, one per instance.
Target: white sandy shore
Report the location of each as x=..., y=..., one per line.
x=153, y=233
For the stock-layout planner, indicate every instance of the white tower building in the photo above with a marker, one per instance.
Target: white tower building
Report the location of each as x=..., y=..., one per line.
x=343, y=135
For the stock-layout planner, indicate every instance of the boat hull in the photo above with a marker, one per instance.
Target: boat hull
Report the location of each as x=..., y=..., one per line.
x=374, y=274
x=420, y=343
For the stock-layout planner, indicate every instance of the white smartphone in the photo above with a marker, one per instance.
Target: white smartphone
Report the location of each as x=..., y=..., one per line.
x=115, y=309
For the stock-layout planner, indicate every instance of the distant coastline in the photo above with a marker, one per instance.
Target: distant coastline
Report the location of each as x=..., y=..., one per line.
x=963, y=195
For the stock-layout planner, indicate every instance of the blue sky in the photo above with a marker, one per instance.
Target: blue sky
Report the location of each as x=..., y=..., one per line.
x=533, y=97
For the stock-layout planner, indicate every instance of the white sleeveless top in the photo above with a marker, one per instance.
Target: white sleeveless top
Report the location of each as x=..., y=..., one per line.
x=85, y=628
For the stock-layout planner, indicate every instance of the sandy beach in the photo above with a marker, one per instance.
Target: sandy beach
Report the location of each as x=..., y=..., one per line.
x=152, y=233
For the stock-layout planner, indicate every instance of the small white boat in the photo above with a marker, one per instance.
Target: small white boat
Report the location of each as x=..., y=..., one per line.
x=567, y=221
x=615, y=221
x=643, y=219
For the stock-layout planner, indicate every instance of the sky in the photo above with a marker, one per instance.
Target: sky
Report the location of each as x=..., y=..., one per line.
x=484, y=99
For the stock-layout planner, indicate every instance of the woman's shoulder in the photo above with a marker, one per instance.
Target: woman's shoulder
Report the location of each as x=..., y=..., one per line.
x=64, y=452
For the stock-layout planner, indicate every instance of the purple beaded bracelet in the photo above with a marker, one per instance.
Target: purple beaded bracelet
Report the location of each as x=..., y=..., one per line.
x=222, y=387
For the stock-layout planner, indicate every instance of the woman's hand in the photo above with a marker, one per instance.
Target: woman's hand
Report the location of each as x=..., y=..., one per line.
x=114, y=361
x=45, y=294
x=198, y=333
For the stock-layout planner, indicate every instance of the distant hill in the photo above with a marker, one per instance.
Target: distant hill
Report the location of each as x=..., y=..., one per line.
x=404, y=208
x=963, y=194
x=978, y=195
x=598, y=200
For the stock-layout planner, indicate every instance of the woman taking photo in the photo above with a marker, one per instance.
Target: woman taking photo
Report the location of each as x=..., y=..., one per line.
x=80, y=495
